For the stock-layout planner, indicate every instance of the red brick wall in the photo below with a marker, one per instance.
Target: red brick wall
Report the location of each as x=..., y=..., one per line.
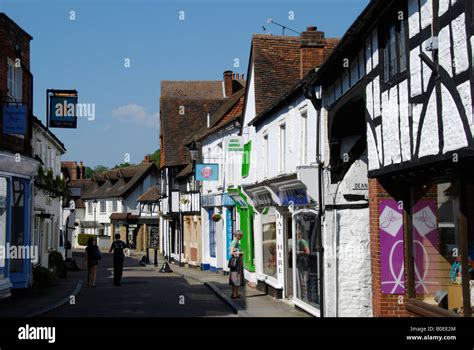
x=384, y=305
x=9, y=32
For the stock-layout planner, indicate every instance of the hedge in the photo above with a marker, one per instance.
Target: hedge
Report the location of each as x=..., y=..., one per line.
x=83, y=237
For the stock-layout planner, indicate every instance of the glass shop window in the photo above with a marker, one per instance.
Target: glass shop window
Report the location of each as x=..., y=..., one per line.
x=269, y=244
x=438, y=245
x=307, y=258
x=3, y=219
x=18, y=207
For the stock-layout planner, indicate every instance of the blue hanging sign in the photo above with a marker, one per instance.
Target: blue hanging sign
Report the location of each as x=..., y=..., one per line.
x=228, y=230
x=207, y=172
x=62, y=113
x=14, y=119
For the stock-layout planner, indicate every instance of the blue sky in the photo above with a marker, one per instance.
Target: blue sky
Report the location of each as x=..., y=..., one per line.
x=88, y=54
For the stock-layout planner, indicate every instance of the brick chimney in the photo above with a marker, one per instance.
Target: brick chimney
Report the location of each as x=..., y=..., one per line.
x=147, y=159
x=311, y=50
x=228, y=83
x=82, y=174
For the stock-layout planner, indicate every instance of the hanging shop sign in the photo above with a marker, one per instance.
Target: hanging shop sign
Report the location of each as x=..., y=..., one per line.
x=14, y=119
x=392, y=250
x=295, y=196
x=228, y=230
x=207, y=172
x=62, y=112
x=235, y=144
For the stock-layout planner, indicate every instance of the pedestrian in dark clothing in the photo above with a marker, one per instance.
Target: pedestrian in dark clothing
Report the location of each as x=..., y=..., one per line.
x=118, y=247
x=92, y=259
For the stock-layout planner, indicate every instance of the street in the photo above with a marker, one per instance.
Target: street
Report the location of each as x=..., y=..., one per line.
x=144, y=292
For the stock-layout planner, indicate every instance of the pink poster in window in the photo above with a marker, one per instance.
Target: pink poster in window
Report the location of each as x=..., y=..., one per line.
x=392, y=250
x=425, y=246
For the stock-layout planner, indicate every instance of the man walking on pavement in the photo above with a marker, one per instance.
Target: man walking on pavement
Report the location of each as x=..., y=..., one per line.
x=118, y=247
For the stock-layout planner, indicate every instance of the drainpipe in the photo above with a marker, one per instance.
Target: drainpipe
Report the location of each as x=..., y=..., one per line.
x=310, y=93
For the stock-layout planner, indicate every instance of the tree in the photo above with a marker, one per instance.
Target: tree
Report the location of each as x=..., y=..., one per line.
x=88, y=172
x=155, y=157
x=99, y=169
x=121, y=165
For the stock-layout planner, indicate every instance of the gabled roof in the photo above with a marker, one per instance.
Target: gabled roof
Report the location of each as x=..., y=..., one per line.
x=227, y=113
x=150, y=195
x=176, y=127
x=207, y=89
x=124, y=184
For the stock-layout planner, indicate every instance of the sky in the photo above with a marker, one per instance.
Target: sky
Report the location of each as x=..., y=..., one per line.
x=116, y=52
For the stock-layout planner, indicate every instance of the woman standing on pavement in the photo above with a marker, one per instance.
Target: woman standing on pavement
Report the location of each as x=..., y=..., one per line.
x=236, y=265
x=92, y=259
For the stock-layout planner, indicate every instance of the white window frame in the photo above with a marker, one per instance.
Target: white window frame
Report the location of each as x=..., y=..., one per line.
x=102, y=207
x=14, y=81
x=304, y=137
x=282, y=148
x=265, y=155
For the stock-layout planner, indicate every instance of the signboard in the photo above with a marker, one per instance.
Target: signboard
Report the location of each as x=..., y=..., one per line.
x=207, y=172
x=235, y=144
x=62, y=111
x=295, y=196
x=14, y=119
x=392, y=251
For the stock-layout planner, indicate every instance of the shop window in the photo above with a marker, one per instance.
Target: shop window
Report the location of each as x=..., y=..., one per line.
x=269, y=244
x=439, y=243
x=18, y=222
x=246, y=159
x=3, y=220
x=212, y=234
x=307, y=259
x=394, y=47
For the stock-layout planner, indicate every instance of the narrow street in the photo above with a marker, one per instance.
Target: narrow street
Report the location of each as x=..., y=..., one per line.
x=144, y=293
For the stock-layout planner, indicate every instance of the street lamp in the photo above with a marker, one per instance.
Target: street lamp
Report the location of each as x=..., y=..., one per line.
x=94, y=203
x=193, y=152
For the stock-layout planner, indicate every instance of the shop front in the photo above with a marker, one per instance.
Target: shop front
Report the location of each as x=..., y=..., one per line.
x=16, y=206
x=287, y=240
x=244, y=219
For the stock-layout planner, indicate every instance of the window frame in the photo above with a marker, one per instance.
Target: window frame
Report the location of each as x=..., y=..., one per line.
x=282, y=147
x=102, y=207
x=388, y=22
x=419, y=306
x=304, y=137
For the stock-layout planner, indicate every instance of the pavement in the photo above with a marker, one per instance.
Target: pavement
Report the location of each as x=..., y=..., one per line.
x=145, y=292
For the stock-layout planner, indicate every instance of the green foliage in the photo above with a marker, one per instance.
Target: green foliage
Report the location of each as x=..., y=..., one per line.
x=52, y=186
x=57, y=263
x=121, y=165
x=155, y=157
x=83, y=237
x=42, y=277
x=88, y=172
x=100, y=169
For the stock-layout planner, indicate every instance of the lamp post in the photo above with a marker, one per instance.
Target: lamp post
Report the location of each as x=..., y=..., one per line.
x=94, y=203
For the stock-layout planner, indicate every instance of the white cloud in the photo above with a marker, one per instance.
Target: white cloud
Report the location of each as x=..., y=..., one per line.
x=136, y=114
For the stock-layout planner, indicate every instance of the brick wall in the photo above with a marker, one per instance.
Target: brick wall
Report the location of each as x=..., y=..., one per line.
x=384, y=305
x=10, y=36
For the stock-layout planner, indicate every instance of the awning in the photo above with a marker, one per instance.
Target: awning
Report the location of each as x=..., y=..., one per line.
x=123, y=218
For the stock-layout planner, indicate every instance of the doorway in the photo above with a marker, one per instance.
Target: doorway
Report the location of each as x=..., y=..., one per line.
x=288, y=251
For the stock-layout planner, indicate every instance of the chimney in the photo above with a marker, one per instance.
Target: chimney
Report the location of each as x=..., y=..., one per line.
x=228, y=78
x=147, y=159
x=83, y=171
x=311, y=50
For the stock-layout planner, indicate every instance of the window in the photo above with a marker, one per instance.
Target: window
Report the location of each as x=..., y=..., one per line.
x=443, y=252
x=220, y=157
x=102, y=207
x=265, y=155
x=212, y=234
x=282, y=163
x=3, y=219
x=394, y=49
x=113, y=205
x=18, y=223
x=269, y=243
x=89, y=207
x=246, y=159
x=14, y=81
x=304, y=138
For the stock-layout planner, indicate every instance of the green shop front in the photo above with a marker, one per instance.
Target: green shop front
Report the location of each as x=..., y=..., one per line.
x=244, y=214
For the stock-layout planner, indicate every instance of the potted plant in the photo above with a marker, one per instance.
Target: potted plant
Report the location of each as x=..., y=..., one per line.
x=216, y=217
x=184, y=201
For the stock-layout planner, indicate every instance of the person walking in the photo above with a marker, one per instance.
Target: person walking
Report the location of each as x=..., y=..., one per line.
x=236, y=266
x=118, y=247
x=92, y=258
